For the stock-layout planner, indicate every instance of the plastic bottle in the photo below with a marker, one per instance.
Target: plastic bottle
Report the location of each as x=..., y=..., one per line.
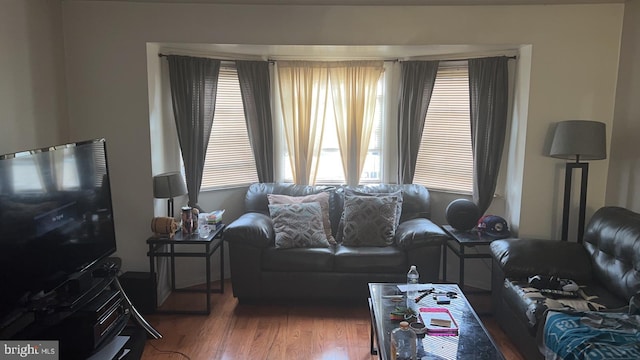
x=413, y=278
x=403, y=343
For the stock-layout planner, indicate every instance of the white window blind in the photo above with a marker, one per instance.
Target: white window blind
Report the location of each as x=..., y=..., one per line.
x=445, y=161
x=229, y=160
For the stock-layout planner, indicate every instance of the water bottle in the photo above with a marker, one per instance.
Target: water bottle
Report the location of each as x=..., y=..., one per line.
x=413, y=278
x=403, y=343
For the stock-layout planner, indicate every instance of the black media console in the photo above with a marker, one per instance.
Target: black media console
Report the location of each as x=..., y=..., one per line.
x=84, y=316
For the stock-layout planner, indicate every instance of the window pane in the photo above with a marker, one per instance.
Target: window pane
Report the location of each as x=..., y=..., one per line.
x=330, y=169
x=229, y=160
x=445, y=160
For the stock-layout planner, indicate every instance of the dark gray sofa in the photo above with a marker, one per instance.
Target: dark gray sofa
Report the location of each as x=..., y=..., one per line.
x=606, y=265
x=260, y=271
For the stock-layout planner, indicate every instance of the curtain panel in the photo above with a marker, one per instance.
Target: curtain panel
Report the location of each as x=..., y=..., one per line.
x=193, y=82
x=255, y=88
x=488, y=95
x=416, y=87
x=304, y=91
x=354, y=88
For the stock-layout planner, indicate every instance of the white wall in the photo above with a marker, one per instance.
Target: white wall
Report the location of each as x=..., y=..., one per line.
x=623, y=187
x=573, y=61
x=32, y=94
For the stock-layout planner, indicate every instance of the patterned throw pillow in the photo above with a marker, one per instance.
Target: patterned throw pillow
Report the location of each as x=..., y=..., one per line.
x=369, y=220
x=396, y=194
x=298, y=225
x=321, y=198
x=351, y=192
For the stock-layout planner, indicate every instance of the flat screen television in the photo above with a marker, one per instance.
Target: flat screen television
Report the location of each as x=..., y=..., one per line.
x=56, y=218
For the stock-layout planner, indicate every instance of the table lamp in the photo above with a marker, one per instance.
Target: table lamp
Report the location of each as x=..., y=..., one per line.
x=579, y=140
x=168, y=186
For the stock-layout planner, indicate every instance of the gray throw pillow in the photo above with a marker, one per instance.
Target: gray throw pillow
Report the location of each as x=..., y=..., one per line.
x=321, y=198
x=298, y=225
x=351, y=192
x=369, y=220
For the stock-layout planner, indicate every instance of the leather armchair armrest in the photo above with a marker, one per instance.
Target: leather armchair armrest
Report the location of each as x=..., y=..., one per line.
x=419, y=232
x=521, y=258
x=254, y=229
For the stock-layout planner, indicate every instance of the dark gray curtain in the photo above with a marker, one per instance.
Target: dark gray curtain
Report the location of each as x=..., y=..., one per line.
x=256, y=97
x=488, y=86
x=194, y=82
x=417, y=80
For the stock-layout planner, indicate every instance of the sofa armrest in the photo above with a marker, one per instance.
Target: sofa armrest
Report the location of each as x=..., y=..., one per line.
x=254, y=229
x=521, y=258
x=419, y=232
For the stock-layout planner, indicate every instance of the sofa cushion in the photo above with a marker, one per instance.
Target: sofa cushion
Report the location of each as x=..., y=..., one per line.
x=321, y=198
x=298, y=225
x=365, y=259
x=298, y=259
x=369, y=221
x=530, y=304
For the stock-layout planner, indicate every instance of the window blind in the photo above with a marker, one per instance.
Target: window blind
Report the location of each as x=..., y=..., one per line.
x=229, y=160
x=445, y=160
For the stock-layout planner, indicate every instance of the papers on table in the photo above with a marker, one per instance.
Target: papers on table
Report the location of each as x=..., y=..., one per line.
x=416, y=287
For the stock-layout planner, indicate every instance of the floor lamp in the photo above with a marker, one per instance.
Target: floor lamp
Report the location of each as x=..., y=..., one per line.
x=168, y=186
x=577, y=140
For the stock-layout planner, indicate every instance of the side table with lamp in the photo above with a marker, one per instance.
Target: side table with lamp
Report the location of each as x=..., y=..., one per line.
x=209, y=244
x=163, y=243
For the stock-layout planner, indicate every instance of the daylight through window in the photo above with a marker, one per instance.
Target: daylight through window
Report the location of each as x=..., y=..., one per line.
x=445, y=160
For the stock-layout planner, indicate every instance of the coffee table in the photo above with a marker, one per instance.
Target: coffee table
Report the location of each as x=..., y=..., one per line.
x=472, y=342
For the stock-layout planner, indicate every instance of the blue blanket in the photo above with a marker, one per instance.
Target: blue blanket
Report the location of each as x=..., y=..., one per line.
x=591, y=335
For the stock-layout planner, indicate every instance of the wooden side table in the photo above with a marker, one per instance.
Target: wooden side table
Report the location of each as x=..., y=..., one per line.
x=464, y=239
x=209, y=245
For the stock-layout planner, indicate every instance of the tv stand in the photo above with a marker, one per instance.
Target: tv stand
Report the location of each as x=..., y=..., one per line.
x=83, y=322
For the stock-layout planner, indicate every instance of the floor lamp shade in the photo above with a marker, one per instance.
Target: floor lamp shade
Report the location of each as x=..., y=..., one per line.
x=577, y=140
x=168, y=186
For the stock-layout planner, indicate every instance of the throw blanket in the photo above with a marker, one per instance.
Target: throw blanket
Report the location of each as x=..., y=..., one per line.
x=571, y=335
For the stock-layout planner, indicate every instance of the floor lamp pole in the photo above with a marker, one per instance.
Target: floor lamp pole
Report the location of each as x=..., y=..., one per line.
x=584, y=167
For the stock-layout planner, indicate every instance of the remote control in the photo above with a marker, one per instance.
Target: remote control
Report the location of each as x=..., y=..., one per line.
x=558, y=293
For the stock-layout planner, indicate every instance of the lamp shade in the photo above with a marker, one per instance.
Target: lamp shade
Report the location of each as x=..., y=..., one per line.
x=168, y=185
x=579, y=140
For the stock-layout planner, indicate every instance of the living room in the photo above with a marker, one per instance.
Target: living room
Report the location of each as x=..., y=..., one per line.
x=80, y=70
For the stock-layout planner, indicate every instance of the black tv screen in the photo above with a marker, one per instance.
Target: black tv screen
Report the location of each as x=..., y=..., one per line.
x=56, y=218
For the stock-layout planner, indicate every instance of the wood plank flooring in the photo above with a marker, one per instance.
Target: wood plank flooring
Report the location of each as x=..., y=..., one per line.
x=273, y=331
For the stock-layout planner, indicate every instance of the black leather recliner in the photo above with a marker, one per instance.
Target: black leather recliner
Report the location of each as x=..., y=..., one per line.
x=605, y=265
x=260, y=271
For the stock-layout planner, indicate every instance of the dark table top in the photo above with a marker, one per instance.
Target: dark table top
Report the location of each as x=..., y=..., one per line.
x=469, y=237
x=472, y=342
x=181, y=238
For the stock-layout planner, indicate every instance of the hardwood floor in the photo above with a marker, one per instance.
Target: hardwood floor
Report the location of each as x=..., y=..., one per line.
x=274, y=331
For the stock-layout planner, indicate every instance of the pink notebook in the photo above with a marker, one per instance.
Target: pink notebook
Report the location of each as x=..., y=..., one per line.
x=439, y=321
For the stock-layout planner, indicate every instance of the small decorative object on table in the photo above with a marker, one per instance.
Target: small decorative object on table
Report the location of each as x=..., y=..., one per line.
x=403, y=314
x=164, y=226
x=189, y=219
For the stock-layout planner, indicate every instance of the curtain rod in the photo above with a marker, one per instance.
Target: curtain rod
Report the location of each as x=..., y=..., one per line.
x=513, y=57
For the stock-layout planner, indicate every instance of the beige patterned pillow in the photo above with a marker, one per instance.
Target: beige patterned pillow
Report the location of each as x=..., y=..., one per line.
x=298, y=225
x=369, y=220
x=322, y=198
